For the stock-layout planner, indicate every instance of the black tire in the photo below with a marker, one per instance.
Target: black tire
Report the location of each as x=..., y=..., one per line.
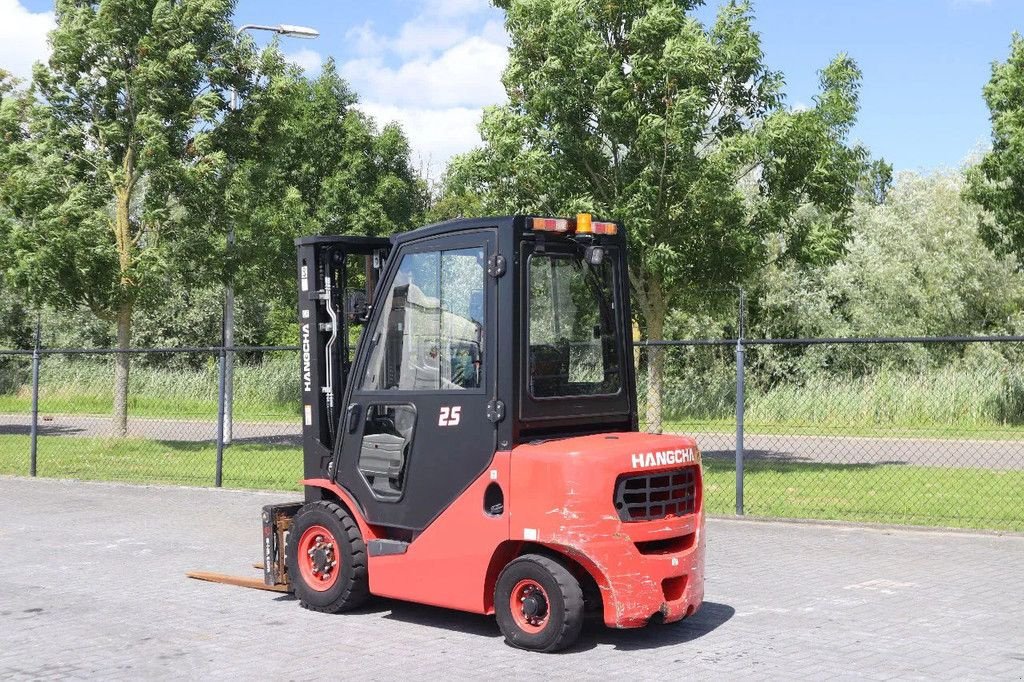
x=564, y=598
x=351, y=588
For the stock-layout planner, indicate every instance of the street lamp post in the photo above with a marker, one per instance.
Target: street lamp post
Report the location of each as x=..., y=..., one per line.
x=228, y=330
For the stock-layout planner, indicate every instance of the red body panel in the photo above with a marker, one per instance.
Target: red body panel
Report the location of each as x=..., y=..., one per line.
x=563, y=498
x=447, y=564
x=558, y=494
x=450, y=563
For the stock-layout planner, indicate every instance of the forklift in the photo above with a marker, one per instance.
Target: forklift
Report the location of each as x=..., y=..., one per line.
x=470, y=434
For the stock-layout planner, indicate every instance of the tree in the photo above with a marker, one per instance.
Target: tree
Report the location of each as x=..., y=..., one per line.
x=914, y=266
x=116, y=134
x=14, y=326
x=637, y=112
x=875, y=182
x=997, y=183
x=315, y=165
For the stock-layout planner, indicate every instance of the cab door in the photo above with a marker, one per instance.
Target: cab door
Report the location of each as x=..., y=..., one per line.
x=415, y=431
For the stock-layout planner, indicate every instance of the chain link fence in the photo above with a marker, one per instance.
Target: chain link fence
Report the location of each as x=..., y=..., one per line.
x=174, y=431
x=926, y=431
x=915, y=431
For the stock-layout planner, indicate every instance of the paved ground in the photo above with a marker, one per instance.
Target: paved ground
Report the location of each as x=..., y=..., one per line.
x=93, y=587
x=987, y=454
x=189, y=430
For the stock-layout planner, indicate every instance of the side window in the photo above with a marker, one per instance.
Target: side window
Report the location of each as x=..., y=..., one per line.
x=462, y=318
x=430, y=332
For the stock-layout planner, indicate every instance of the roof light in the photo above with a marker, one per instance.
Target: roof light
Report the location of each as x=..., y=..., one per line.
x=583, y=222
x=551, y=224
x=604, y=228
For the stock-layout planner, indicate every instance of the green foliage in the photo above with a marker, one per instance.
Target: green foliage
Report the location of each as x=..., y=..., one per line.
x=109, y=159
x=449, y=203
x=9, y=133
x=914, y=266
x=188, y=315
x=997, y=183
x=116, y=126
x=123, y=167
x=875, y=182
x=637, y=112
x=17, y=323
x=325, y=170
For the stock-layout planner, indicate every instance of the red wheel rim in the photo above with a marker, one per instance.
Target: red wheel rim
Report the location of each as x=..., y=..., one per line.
x=529, y=605
x=318, y=558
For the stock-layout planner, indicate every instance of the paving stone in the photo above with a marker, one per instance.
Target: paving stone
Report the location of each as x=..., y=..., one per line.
x=92, y=586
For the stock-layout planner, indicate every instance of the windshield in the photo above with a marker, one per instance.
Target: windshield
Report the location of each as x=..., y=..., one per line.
x=574, y=349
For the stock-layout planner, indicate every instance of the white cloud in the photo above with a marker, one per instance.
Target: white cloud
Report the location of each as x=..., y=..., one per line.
x=432, y=76
x=306, y=59
x=426, y=38
x=423, y=36
x=436, y=135
x=365, y=40
x=22, y=37
x=467, y=74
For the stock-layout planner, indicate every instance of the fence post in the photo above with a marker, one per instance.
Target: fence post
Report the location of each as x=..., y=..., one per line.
x=740, y=405
x=34, y=432
x=221, y=371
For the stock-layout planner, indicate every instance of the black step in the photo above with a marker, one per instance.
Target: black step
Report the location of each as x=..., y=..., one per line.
x=386, y=547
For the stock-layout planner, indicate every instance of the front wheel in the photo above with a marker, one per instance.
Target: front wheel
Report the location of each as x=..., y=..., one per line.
x=538, y=604
x=326, y=559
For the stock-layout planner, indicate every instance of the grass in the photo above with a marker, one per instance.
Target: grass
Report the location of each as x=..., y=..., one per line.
x=955, y=401
x=951, y=396
x=913, y=495
x=263, y=391
x=792, y=428
x=269, y=467
x=926, y=496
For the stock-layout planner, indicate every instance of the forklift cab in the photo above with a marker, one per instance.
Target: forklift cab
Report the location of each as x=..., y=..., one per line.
x=468, y=403
x=477, y=335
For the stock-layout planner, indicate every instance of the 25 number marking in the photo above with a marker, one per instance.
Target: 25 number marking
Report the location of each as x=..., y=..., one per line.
x=450, y=416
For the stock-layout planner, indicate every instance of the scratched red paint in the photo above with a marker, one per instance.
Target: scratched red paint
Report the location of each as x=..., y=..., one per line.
x=558, y=494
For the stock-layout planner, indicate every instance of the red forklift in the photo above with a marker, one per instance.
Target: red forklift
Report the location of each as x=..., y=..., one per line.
x=470, y=434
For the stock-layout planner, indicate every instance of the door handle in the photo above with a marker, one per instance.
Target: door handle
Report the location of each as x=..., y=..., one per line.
x=352, y=414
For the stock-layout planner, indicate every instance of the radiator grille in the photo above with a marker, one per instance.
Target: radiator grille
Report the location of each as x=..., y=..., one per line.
x=654, y=496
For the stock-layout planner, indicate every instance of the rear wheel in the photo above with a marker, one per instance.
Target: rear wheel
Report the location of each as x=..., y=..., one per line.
x=326, y=559
x=538, y=604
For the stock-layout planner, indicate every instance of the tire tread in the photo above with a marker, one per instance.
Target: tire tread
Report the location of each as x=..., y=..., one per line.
x=572, y=602
x=357, y=589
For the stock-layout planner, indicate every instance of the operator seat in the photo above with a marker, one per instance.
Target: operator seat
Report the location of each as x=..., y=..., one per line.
x=549, y=369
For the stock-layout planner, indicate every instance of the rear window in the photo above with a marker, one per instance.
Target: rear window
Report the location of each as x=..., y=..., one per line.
x=573, y=347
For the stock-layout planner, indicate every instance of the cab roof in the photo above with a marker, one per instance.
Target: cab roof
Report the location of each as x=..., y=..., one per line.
x=503, y=223
x=456, y=225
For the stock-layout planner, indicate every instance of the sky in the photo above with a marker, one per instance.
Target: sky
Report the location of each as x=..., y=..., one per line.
x=431, y=65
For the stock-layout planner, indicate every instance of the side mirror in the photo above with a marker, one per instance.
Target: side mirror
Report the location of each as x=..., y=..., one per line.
x=357, y=310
